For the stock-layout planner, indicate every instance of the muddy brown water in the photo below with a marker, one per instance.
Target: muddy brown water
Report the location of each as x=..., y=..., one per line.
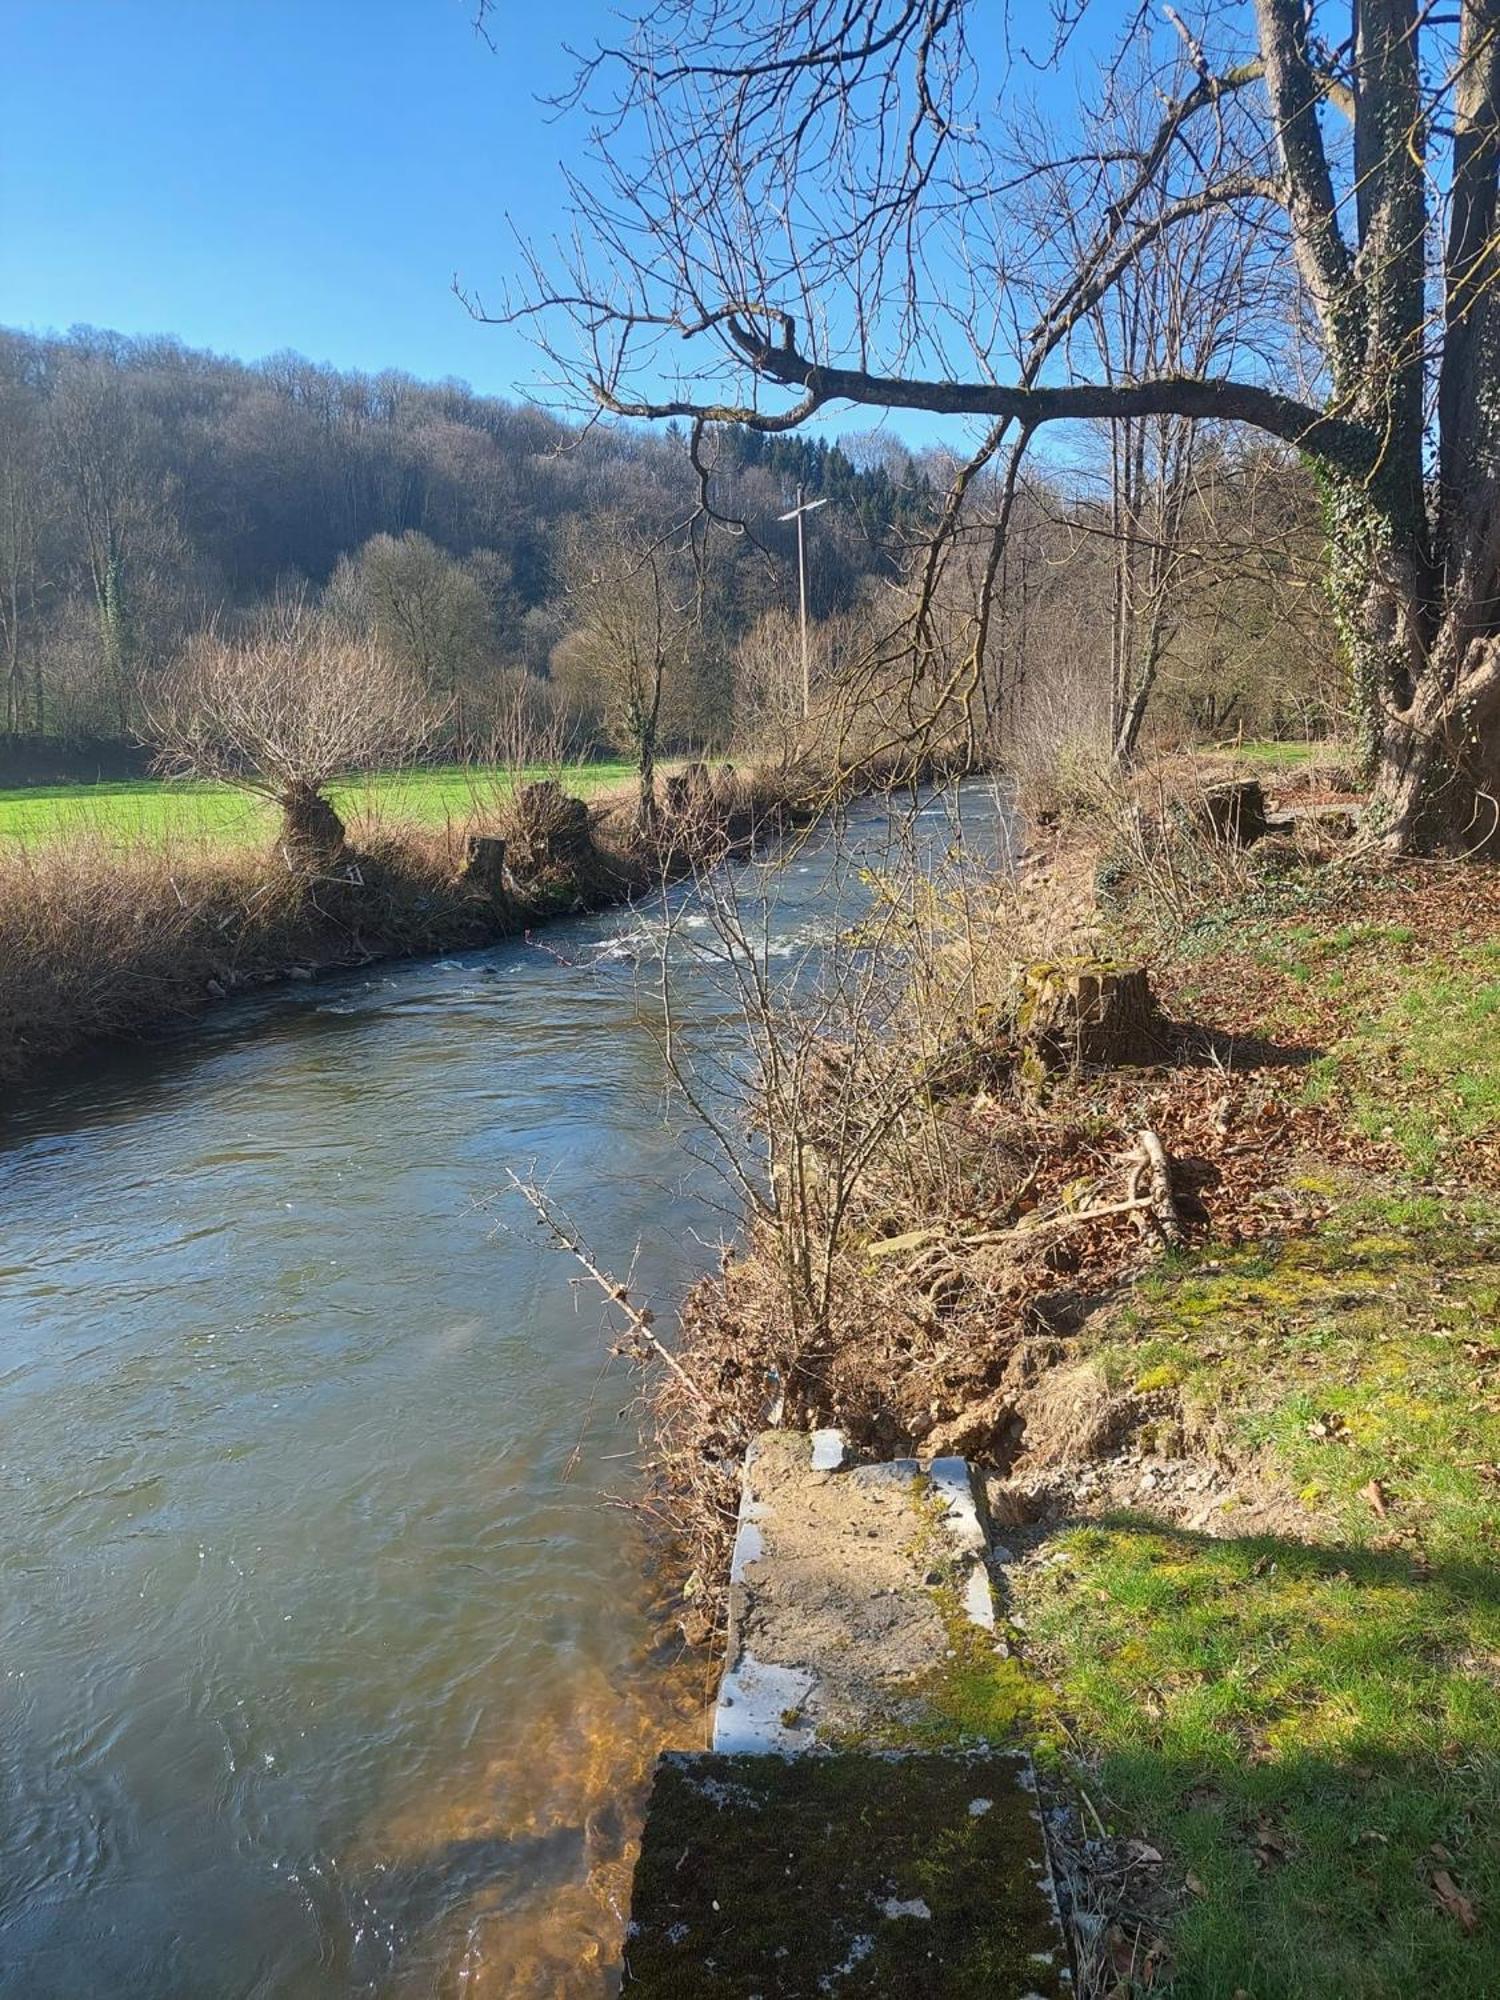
x=326, y=1666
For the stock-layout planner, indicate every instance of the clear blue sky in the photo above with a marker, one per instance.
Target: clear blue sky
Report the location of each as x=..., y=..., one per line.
x=253, y=175
x=257, y=175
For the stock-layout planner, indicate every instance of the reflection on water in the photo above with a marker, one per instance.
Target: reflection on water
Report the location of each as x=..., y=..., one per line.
x=325, y=1666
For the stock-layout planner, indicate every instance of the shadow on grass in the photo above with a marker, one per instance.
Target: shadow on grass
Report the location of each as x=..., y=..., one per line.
x=1311, y=1736
x=1198, y=1045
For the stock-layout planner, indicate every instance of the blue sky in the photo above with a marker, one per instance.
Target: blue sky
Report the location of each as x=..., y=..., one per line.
x=258, y=175
x=254, y=175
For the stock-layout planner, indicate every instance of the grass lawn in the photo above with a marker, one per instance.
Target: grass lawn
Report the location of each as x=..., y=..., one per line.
x=1306, y=1722
x=152, y=810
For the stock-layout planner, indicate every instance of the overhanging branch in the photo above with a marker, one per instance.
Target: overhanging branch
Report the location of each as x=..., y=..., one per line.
x=1337, y=441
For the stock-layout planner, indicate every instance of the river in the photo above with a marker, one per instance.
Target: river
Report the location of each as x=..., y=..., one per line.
x=326, y=1665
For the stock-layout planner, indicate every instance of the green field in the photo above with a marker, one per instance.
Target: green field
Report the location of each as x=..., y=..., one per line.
x=154, y=811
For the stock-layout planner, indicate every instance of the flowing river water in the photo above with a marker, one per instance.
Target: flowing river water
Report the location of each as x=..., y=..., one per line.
x=326, y=1665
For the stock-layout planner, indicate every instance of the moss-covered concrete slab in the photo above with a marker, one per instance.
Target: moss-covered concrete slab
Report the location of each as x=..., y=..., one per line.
x=795, y=1878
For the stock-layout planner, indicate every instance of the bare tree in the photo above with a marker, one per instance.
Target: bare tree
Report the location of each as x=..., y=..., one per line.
x=23, y=581
x=629, y=640
x=430, y=611
x=769, y=716
x=1199, y=296
x=283, y=711
x=790, y=205
x=105, y=455
x=768, y=685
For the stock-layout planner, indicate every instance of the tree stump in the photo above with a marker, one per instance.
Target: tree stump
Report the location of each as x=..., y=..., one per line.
x=484, y=864
x=1089, y=1011
x=552, y=833
x=689, y=793
x=1233, y=812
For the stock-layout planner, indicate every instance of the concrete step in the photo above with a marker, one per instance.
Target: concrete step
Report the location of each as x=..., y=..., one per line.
x=860, y=1612
x=795, y=1878
x=866, y=1822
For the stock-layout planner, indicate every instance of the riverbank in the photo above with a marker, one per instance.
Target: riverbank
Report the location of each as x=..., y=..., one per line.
x=101, y=945
x=1241, y=1420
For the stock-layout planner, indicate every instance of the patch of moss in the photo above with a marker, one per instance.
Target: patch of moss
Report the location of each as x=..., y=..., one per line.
x=795, y=1877
x=979, y=1694
x=1164, y=1375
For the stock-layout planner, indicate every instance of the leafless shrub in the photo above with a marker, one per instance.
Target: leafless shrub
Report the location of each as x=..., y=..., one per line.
x=284, y=710
x=842, y=1041
x=535, y=735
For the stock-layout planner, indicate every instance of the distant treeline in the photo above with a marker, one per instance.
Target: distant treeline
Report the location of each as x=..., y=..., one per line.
x=148, y=490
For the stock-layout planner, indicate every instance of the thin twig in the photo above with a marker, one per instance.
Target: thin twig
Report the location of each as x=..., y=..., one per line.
x=567, y=1238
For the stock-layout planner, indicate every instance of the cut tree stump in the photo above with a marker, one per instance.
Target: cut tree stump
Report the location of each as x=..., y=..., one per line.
x=484, y=864
x=1089, y=1011
x=689, y=793
x=1234, y=812
x=552, y=832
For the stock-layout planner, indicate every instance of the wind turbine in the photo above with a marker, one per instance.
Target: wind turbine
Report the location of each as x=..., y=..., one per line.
x=802, y=508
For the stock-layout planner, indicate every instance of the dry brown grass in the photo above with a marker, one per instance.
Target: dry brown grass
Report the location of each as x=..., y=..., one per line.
x=100, y=942
x=97, y=943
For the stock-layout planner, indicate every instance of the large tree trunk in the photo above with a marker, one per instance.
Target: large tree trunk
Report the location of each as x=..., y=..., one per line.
x=1437, y=781
x=1421, y=630
x=312, y=834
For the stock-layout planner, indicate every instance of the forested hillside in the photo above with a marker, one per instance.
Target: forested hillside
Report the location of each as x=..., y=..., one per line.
x=147, y=490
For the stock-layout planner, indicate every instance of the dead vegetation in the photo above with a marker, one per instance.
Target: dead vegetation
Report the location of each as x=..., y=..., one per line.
x=976, y=1121
x=102, y=944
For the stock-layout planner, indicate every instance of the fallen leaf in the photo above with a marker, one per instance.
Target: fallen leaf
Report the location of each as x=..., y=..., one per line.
x=1375, y=1494
x=1448, y=1897
x=1143, y=1851
x=1121, y=1949
x=1269, y=1845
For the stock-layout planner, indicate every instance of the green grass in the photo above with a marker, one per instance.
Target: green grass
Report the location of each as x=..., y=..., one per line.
x=1410, y=1034
x=154, y=811
x=1309, y=1721
x=1276, y=756
x=1415, y=1060
x=1304, y=1715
